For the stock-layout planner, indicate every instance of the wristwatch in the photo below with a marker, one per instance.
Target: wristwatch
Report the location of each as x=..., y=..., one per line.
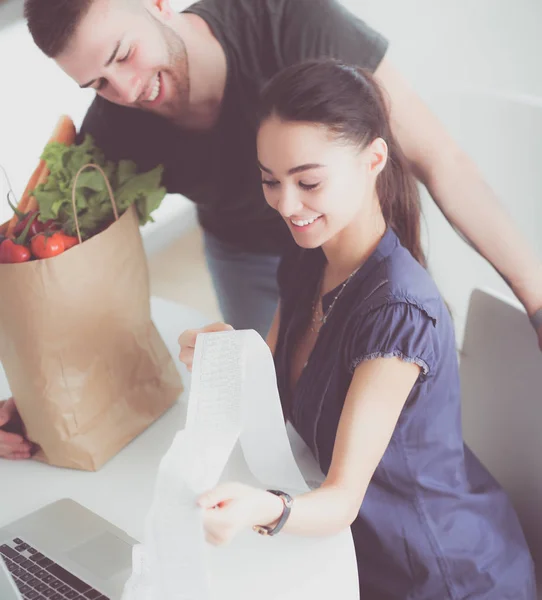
x=536, y=319
x=287, y=501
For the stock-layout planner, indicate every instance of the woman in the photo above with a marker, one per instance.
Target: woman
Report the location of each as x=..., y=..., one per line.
x=366, y=362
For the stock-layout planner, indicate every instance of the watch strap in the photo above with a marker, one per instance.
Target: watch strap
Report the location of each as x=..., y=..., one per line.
x=288, y=501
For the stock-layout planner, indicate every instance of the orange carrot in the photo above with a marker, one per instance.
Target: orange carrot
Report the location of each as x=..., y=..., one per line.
x=31, y=185
x=23, y=202
x=64, y=133
x=32, y=203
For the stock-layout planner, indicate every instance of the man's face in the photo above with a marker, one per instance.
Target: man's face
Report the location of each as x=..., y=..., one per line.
x=131, y=56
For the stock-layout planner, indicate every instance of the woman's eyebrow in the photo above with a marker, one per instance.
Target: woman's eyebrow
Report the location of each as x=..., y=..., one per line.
x=292, y=171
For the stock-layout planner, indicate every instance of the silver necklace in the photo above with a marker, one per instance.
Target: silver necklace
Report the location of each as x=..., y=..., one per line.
x=319, y=320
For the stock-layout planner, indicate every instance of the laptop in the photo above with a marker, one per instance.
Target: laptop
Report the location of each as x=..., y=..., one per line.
x=64, y=551
x=8, y=589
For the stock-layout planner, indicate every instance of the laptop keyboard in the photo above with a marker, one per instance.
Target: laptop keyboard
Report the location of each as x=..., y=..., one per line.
x=40, y=578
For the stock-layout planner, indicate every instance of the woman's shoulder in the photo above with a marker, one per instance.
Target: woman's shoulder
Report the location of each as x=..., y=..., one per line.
x=399, y=311
x=400, y=279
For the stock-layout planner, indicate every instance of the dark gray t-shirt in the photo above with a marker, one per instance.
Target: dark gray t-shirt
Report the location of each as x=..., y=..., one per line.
x=218, y=169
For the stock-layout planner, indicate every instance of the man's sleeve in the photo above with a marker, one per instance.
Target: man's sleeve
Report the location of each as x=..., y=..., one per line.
x=100, y=123
x=324, y=28
x=123, y=133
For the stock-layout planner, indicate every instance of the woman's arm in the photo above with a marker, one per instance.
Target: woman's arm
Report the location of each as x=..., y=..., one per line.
x=459, y=190
x=375, y=399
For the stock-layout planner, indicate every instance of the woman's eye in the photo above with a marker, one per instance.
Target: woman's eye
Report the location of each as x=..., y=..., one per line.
x=270, y=183
x=308, y=186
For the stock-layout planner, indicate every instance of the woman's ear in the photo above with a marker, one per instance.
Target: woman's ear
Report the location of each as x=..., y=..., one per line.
x=378, y=155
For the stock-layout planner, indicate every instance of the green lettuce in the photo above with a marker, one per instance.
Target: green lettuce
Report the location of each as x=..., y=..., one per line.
x=94, y=209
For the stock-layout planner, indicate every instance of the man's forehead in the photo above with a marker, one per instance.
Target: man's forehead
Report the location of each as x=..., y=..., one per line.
x=104, y=13
x=104, y=24
x=88, y=50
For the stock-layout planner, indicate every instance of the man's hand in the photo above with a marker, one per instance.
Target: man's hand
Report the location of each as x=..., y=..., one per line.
x=187, y=341
x=12, y=443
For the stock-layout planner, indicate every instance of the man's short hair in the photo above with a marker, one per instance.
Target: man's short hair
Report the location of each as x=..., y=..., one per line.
x=52, y=23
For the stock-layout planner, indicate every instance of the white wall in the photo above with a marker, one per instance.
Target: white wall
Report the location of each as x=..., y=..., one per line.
x=477, y=63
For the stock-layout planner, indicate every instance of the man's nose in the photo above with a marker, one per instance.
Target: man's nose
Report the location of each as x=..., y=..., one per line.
x=128, y=85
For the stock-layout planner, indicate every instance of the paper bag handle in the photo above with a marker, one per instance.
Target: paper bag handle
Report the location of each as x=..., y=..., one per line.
x=109, y=189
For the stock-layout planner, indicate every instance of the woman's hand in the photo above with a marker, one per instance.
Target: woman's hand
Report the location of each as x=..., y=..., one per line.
x=13, y=445
x=232, y=507
x=187, y=341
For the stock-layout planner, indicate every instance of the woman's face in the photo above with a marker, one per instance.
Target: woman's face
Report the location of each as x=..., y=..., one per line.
x=319, y=184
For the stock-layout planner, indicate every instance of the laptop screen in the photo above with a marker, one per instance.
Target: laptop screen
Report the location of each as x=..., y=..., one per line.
x=8, y=589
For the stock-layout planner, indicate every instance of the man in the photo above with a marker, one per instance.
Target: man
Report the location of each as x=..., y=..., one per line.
x=182, y=90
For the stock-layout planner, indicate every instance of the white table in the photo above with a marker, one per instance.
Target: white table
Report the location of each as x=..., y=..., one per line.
x=122, y=490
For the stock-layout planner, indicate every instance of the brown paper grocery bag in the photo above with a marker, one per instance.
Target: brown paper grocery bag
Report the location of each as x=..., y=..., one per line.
x=85, y=363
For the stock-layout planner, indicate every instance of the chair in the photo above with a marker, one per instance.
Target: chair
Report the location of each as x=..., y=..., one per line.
x=501, y=380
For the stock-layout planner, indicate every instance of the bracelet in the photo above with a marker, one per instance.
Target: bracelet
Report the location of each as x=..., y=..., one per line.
x=287, y=501
x=536, y=319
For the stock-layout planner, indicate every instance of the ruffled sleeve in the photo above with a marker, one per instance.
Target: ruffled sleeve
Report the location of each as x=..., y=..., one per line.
x=399, y=329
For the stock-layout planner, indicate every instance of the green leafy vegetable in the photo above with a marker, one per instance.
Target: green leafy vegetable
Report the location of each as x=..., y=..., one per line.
x=94, y=209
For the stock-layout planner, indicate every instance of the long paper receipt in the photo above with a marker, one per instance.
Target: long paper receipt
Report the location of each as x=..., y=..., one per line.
x=234, y=431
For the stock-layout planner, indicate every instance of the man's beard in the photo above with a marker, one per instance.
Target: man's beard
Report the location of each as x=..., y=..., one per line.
x=177, y=71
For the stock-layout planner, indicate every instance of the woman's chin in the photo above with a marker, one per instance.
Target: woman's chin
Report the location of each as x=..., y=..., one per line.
x=307, y=243
x=307, y=239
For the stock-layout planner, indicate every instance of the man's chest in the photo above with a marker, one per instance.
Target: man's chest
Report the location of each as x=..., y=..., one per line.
x=223, y=159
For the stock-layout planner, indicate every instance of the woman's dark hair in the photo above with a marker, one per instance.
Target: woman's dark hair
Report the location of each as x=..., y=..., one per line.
x=351, y=104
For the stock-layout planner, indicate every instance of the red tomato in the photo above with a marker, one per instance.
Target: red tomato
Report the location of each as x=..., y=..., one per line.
x=10, y=252
x=47, y=246
x=69, y=240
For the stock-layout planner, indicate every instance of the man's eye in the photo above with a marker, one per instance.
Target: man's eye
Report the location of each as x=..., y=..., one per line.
x=308, y=186
x=270, y=183
x=126, y=56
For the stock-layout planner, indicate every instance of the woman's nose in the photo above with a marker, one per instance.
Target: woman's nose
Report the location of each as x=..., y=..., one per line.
x=289, y=203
